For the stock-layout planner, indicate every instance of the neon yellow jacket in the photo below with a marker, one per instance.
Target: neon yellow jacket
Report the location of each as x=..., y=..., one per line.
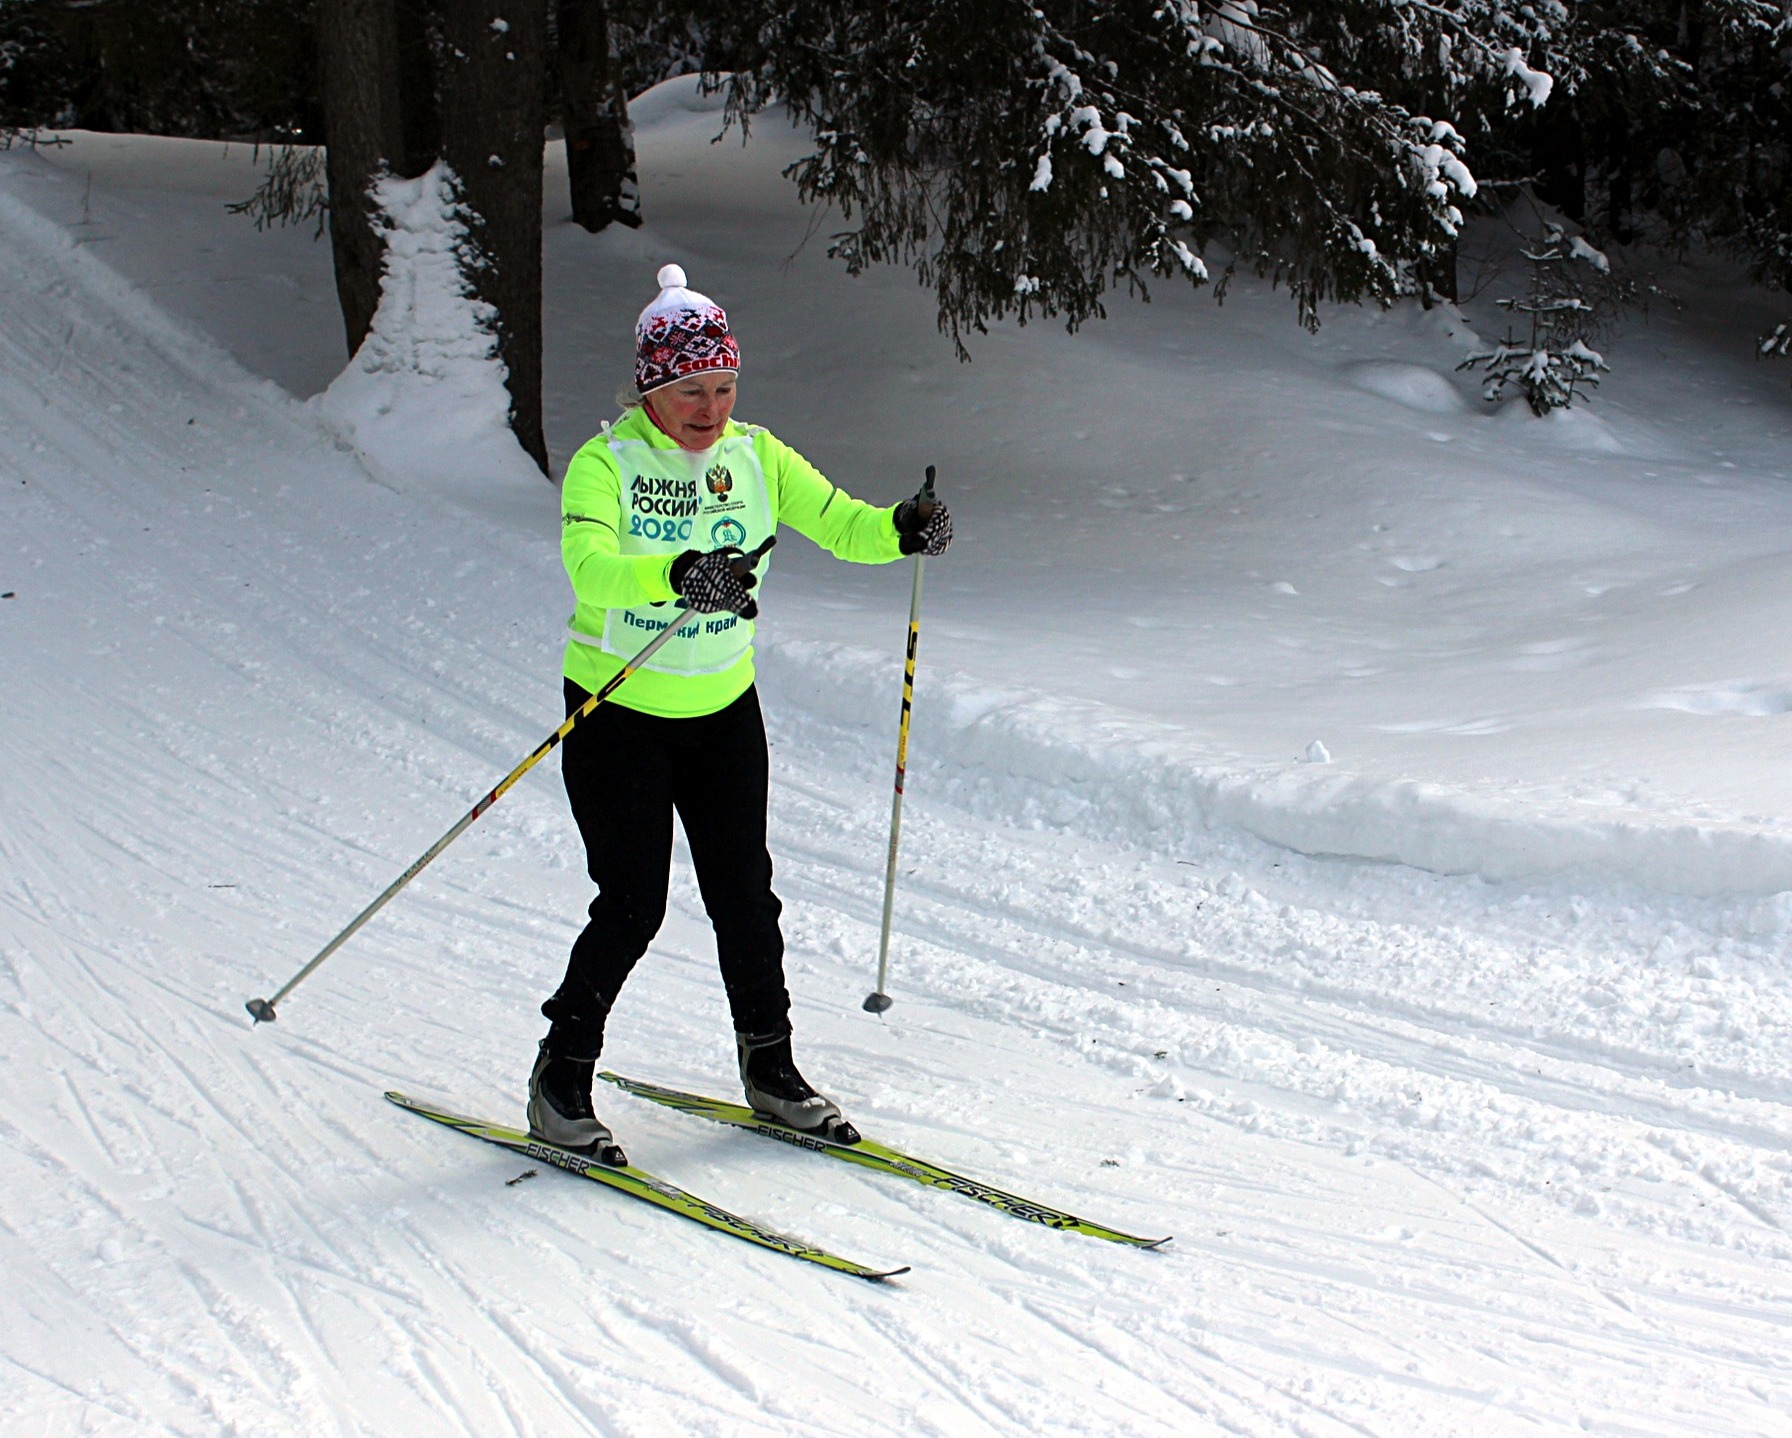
x=603, y=578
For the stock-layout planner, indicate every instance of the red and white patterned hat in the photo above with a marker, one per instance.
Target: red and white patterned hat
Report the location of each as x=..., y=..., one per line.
x=680, y=334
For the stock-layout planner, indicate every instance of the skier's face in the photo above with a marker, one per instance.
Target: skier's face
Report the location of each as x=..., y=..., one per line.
x=695, y=411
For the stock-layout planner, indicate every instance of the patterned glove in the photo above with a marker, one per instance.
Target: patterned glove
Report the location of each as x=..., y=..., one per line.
x=924, y=525
x=708, y=582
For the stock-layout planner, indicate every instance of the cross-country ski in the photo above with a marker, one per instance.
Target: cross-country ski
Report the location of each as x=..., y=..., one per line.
x=867, y=1153
x=639, y=1184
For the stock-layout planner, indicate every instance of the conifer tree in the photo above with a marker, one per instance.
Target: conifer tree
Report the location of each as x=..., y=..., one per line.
x=1571, y=296
x=600, y=142
x=494, y=80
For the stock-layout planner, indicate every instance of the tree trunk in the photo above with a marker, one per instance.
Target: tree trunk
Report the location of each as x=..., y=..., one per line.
x=1560, y=161
x=493, y=76
x=600, y=142
x=358, y=62
x=1437, y=276
x=420, y=117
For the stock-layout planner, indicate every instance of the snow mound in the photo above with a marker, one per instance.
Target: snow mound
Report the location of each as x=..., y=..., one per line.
x=1573, y=429
x=1089, y=769
x=1757, y=697
x=681, y=95
x=424, y=398
x=1408, y=384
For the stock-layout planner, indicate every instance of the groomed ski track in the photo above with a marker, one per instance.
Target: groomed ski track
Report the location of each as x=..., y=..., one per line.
x=1423, y=1180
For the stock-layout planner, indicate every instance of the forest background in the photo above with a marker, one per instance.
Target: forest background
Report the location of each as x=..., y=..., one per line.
x=1023, y=158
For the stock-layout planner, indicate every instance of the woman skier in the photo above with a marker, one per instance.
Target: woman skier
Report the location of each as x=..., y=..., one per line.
x=663, y=508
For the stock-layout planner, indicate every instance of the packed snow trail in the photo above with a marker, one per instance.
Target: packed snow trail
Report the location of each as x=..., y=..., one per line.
x=1440, y=1156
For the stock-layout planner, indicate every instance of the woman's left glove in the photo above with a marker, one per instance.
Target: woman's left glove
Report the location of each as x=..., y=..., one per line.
x=924, y=525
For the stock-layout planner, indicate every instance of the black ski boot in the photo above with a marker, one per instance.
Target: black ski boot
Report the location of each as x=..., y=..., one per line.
x=775, y=1089
x=560, y=1109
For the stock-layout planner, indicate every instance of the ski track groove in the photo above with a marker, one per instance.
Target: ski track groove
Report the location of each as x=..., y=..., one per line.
x=1702, y=1171
x=85, y=1399
x=567, y=1397
x=1096, y=1339
x=952, y=936
x=1528, y=1245
x=951, y=1373
x=1167, y=969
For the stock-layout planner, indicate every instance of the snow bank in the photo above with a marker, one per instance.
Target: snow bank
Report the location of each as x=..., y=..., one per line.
x=1414, y=386
x=1077, y=765
x=424, y=398
x=68, y=260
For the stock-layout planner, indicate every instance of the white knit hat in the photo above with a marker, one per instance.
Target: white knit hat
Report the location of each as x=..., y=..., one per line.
x=680, y=334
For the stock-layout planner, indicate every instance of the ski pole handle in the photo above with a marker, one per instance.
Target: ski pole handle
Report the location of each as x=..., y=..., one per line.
x=749, y=561
x=744, y=565
x=926, y=500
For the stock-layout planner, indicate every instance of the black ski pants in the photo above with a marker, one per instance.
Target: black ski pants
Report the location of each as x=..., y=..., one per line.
x=626, y=772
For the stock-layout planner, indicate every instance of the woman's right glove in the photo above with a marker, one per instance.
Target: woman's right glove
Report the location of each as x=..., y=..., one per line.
x=924, y=524
x=710, y=583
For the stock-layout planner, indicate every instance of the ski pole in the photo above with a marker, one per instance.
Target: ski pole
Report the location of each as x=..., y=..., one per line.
x=878, y=1000
x=262, y=1010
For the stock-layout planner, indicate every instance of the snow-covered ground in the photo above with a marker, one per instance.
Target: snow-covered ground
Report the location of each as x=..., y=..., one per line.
x=1460, y=1066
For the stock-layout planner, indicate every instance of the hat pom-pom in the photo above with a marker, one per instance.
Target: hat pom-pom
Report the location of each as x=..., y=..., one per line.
x=671, y=277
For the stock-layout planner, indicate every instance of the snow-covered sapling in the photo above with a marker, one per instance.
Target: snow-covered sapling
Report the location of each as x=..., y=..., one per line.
x=1571, y=296
x=1779, y=342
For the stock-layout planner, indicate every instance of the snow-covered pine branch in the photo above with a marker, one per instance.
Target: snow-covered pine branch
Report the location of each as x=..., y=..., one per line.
x=1025, y=157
